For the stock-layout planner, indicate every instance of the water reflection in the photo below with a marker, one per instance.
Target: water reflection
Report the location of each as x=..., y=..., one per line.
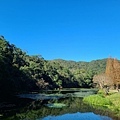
x=30, y=109
x=77, y=116
x=39, y=96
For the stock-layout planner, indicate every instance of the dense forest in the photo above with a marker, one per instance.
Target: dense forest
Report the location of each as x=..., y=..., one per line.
x=20, y=72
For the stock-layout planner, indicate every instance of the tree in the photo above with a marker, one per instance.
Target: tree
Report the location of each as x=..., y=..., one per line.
x=21, y=72
x=102, y=80
x=113, y=71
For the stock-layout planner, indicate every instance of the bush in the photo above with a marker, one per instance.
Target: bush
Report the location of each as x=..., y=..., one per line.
x=97, y=100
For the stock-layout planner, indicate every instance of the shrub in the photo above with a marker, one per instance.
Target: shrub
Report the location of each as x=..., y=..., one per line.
x=97, y=100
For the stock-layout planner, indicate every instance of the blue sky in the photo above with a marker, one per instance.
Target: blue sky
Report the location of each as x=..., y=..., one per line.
x=79, y=30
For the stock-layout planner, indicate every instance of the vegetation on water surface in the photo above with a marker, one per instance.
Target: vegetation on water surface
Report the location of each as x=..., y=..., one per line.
x=73, y=105
x=56, y=105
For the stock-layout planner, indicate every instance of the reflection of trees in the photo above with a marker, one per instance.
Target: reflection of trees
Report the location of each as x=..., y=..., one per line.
x=36, y=109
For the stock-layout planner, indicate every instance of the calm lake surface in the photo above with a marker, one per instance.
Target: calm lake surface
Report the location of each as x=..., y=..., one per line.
x=33, y=107
x=77, y=116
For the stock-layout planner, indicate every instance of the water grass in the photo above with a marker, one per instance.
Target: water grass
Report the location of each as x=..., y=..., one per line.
x=110, y=102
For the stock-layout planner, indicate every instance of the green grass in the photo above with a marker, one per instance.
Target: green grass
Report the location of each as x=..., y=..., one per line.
x=97, y=100
x=115, y=98
x=110, y=102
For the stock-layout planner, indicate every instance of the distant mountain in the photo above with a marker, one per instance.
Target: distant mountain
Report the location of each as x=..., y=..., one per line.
x=97, y=66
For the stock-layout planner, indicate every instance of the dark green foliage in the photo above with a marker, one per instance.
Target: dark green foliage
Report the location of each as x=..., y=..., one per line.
x=20, y=72
x=82, y=72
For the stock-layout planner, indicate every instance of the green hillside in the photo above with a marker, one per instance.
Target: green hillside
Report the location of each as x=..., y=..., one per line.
x=20, y=72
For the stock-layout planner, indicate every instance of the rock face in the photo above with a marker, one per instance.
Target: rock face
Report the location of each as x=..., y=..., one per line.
x=113, y=71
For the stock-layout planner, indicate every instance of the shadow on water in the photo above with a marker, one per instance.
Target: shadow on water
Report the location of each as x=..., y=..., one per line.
x=30, y=109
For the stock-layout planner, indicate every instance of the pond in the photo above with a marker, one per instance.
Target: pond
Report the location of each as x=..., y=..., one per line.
x=77, y=116
x=37, y=110
x=38, y=107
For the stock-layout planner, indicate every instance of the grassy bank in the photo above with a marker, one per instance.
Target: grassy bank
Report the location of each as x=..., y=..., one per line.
x=110, y=102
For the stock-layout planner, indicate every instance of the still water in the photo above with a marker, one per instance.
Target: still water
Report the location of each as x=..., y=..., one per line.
x=36, y=109
x=77, y=116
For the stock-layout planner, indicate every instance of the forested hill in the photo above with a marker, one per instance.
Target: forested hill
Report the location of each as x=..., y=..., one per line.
x=20, y=72
x=97, y=66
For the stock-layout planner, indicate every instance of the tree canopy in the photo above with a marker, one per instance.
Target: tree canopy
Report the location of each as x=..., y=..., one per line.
x=20, y=72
